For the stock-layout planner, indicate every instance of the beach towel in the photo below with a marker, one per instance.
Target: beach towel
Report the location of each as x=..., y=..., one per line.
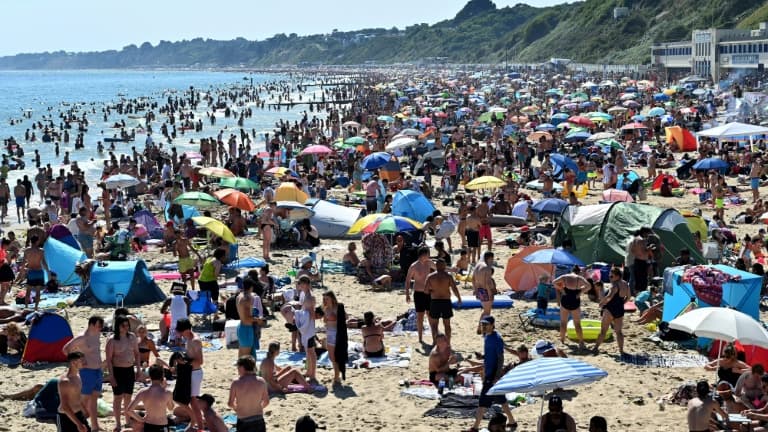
x=313, y=389
x=459, y=407
x=10, y=359
x=248, y=262
x=335, y=267
x=284, y=358
x=211, y=342
x=663, y=360
x=50, y=301
x=356, y=360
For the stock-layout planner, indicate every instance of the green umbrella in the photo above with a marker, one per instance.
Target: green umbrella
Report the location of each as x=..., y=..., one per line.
x=487, y=116
x=610, y=142
x=239, y=183
x=355, y=140
x=340, y=144
x=197, y=199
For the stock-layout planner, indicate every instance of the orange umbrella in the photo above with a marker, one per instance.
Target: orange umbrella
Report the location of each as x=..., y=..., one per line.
x=216, y=172
x=235, y=198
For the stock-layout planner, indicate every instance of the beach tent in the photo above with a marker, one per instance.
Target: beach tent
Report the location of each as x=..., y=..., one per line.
x=683, y=137
x=48, y=333
x=601, y=232
x=522, y=276
x=673, y=182
x=412, y=205
x=126, y=281
x=187, y=210
x=332, y=220
x=696, y=224
x=742, y=294
x=61, y=259
x=64, y=235
x=150, y=222
x=631, y=177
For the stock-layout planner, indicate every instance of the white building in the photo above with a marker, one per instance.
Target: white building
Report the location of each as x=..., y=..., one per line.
x=712, y=52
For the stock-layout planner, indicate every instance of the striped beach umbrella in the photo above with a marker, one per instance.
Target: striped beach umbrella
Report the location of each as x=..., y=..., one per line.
x=545, y=374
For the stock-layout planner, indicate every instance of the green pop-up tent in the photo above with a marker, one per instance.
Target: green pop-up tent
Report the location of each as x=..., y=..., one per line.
x=600, y=233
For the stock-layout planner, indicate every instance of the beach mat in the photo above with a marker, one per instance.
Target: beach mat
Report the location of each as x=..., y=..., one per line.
x=248, y=262
x=663, y=360
x=333, y=267
x=166, y=276
x=10, y=359
x=284, y=358
x=50, y=301
x=356, y=360
x=455, y=406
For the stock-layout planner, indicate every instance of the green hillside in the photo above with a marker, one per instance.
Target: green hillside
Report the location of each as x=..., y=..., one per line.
x=479, y=33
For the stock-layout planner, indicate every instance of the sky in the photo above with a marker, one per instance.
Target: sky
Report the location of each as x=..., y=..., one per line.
x=34, y=26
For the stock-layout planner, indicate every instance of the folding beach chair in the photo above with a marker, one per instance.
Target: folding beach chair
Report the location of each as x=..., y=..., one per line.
x=201, y=304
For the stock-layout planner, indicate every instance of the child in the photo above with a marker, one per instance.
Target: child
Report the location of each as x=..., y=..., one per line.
x=52, y=286
x=543, y=291
x=305, y=322
x=462, y=264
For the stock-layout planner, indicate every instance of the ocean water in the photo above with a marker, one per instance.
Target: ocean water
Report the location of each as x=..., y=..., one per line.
x=46, y=94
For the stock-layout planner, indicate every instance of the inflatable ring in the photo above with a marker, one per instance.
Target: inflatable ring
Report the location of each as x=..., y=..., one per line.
x=590, y=328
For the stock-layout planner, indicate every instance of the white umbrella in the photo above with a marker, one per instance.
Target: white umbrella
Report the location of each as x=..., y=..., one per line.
x=118, y=181
x=410, y=132
x=401, y=142
x=723, y=324
x=295, y=210
x=601, y=136
x=351, y=123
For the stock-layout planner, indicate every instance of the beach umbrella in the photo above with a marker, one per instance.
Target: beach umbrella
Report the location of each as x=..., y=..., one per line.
x=627, y=96
x=280, y=172
x=547, y=373
x=660, y=97
x=196, y=199
x=485, y=182
x=391, y=225
x=631, y=104
x=712, y=163
x=657, y=112
x=216, y=227
x=601, y=136
x=401, y=142
x=413, y=205
x=612, y=143
x=316, y=149
x=519, y=119
x=192, y=155
x=385, y=118
x=634, y=126
x=216, y=172
x=560, y=162
x=581, y=121
x=288, y=191
x=599, y=115
x=538, y=135
x=722, y=324
x=616, y=195
x=577, y=135
x=410, y=132
x=356, y=140
x=617, y=109
x=235, y=198
x=552, y=206
x=554, y=256
x=295, y=210
x=373, y=218
x=118, y=181
x=530, y=109
x=375, y=160
x=638, y=118
x=546, y=127
x=351, y=123
x=240, y=183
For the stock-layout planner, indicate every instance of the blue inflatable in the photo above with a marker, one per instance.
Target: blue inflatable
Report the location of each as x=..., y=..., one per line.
x=500, y=301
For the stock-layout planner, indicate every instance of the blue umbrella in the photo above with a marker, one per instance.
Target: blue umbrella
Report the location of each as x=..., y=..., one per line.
x=553, y=256
x=546, y=127
x=578, y=136
x=560, y=162
x=547, y=373
x=710, y=163
x=376, y=160
x=657, y=112
x=638, y=118
x=631, y=177
x=661, y=97
x=412, y=205
x=630, y=90
x=553, y=206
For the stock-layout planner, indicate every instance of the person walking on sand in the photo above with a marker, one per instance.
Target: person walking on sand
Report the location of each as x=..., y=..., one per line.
x=439, y=285
x=194, y=348
x=417, y=275
x=248, y=396
x=157, y=401
x=123, y=364
x=89, y=344
x=69, y=416
x=267, y=229
x=613, y=310
x=569, y=287
x=187, y=265
x=35, y=264
x=20, y=195
x=483, y=285
x=249, y=330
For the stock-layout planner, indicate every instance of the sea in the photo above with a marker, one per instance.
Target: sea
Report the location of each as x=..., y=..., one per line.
x=46, y=94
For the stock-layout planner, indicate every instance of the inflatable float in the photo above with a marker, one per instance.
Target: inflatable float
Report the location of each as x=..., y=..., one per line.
x=547, y=319
x=500, y=301
x=504, y=220
x=590, y=328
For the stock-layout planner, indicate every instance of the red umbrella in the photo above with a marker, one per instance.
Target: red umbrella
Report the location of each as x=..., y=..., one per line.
x=235, y=199
x=581, y=121
x=633, y=126
x=316, y=149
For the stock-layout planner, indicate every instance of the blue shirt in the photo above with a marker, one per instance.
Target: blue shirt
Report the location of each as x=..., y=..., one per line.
x=542, y=290
x=493, y=353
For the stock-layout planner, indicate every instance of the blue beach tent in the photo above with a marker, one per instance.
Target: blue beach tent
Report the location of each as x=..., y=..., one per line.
x=62, y=258
x=412, y=204
x=128, y=281
x=742, y=295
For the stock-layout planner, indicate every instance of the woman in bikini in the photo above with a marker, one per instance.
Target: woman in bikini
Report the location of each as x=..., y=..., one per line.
x=147, y=346
x=266, y=226
x=613, y=309
x=330, y=315
x=373, y=336
x=570, y=287
x=728, y=367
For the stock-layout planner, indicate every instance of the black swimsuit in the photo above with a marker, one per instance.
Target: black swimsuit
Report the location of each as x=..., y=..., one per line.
x=570, y=299
x=616, y=306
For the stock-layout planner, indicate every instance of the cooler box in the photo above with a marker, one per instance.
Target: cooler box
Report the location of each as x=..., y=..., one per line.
x=230, y=331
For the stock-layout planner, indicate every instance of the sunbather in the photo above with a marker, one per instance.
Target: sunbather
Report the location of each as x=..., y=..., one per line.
x=278, y=379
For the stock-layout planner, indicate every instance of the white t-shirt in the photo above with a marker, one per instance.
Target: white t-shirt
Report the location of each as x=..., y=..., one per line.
x=72, y=226
x=306, y=326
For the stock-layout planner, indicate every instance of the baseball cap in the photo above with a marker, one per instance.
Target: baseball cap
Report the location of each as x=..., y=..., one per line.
x=488, y=320
x=207, y=398
x=305, y=423
x=555, y=401
x=543, y=346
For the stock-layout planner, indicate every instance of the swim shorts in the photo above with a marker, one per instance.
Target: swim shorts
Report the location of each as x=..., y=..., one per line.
x=485, y=400
x=125, y=377
x=86, y=240
x=719, y=203
x=485, y=232
x=21, y=202
x=421, y=301
x=197, y=382
x=186, y=265
x=149, y=427
x=92, y=380
x=65, y=424
x=483, y=295
x=473, y=238
x=35, y=278
x=251, y=424
x=754, y=182
x=440, y=308
x=246, y=337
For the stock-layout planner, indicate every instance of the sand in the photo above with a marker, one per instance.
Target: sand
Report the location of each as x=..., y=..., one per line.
x=371, y=400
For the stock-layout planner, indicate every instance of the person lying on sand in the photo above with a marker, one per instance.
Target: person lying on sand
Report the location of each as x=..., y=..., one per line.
x=278, y=379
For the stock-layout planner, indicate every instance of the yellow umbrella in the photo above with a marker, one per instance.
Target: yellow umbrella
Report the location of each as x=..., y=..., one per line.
x=216, y=227
x=364, y=222
x=485, y=182
x=289, y=192
x=669, y=91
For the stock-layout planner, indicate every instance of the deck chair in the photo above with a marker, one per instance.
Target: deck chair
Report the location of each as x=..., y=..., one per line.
x=201, y=304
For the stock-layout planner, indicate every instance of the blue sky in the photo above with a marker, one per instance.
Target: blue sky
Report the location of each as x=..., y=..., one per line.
x=96, y=25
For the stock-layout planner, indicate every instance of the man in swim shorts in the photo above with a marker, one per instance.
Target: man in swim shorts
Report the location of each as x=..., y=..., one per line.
x=34, y=260
x=194, y=348
x=20, y=193
x=248, y=331
x=187, y=264
x=86, y=230
x=248, y=396
x=483, y=285
x=439, y=286
x=89, y=344
x=754, y=178
x=69, y=416
x=156, y=401
x=417, y=275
